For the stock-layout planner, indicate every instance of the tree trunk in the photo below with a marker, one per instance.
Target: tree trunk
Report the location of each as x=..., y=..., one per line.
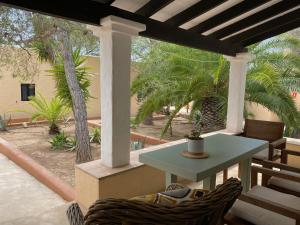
x=149, y=120
x=83, y=151
x=211, y=120
x=54, y=129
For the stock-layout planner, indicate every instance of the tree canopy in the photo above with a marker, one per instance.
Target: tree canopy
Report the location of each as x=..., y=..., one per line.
x=27, y=33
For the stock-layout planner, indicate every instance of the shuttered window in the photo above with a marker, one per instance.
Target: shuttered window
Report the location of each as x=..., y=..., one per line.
x=27, y=90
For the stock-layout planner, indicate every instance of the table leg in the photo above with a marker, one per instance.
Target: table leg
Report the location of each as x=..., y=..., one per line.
x=245, y=168
x=170, y=179
x=209, y=183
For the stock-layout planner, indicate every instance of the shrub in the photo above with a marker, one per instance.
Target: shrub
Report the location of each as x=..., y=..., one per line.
x=4, y=122
x=95, y=136
x=137, y=145
x=62, y=141
x=52, y=111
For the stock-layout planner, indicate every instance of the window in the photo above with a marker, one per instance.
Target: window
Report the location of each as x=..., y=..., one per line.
x=27, y=90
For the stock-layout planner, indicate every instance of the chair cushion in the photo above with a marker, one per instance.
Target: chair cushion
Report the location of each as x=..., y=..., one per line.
x=172, y=197
x=260, y=216
x=264, y=154
x=284, y=183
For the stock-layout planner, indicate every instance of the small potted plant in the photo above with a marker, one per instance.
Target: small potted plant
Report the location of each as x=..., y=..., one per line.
x=195, y=141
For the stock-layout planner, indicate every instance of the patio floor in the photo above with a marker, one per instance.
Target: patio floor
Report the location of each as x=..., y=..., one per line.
x=24, y=200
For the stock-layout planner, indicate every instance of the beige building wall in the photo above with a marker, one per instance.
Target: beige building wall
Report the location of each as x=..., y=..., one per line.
x=10, y=91
x=259, y=112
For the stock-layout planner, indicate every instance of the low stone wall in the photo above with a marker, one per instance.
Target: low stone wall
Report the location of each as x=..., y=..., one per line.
x=134, y=136
x=146, y=139
x=36, y=170
x=20, y=121
x=94, y=181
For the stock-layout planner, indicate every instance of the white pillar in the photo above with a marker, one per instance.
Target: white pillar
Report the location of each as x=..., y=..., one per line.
x=115, y=47
x=236, y=92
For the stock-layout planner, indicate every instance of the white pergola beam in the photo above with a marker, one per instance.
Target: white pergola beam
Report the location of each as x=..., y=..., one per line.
x=236, y=92
x=115, y=46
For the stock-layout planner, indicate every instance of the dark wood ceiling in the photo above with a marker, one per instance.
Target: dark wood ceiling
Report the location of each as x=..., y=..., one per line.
x=233, y=38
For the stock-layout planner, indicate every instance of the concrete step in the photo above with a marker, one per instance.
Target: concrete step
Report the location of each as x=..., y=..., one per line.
x=55, y=216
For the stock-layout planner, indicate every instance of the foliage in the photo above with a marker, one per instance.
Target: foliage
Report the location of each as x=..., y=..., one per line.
x=4, y=122
x=137, y=145
x=62, y=141
x=52, y=111
x=23, y=33
x=133, y=124
x=175, y=75
x=196, y=132
x=95, y=135
x=15, y=33
x=82, y=73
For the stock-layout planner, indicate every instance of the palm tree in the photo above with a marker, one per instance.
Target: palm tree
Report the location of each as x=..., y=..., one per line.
x=52, y=111
x=171, y=74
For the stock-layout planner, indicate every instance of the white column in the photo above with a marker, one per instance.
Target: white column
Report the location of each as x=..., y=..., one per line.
x=115, y=47
x=236, y=92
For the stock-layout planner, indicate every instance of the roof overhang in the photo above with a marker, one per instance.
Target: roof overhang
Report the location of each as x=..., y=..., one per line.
x=221, y=26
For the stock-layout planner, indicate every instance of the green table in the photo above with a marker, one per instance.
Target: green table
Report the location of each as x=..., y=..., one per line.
x=224, y=151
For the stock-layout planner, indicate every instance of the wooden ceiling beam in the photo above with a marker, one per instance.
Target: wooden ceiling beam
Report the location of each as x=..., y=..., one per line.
x=193, y=11
x=265, y=27
x=91, y=12
x=279, y=30
x=227, y=15
x=152, y=7
x=256, y=18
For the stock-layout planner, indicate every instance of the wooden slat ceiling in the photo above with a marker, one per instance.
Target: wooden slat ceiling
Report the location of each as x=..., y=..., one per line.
x=221, y=26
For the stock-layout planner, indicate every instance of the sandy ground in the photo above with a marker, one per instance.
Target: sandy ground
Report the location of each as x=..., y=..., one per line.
x=180, y=127
x=34, y=141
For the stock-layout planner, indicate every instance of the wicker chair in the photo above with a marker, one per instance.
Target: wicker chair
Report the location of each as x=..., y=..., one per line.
x=265, y=205
x=209, y=210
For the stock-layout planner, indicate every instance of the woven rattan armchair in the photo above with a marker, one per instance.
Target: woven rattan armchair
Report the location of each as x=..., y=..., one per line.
x=209, y=210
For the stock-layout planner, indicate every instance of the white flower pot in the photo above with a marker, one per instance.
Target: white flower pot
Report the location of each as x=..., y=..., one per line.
x=195, y=146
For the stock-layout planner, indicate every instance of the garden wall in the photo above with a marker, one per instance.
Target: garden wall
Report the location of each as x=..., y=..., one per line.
x=261, y=113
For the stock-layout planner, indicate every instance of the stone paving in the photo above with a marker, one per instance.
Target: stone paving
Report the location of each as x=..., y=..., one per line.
x=25, y=201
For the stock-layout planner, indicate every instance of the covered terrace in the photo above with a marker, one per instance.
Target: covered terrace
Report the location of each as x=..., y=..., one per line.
x=222, y=26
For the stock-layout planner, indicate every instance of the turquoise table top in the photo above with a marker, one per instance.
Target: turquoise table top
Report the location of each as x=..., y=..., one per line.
x=224, y=151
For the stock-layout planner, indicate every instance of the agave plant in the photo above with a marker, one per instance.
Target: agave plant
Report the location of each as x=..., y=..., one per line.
x=4, y=122
x=51, y=111
x=95, y=135
x=62, y=141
